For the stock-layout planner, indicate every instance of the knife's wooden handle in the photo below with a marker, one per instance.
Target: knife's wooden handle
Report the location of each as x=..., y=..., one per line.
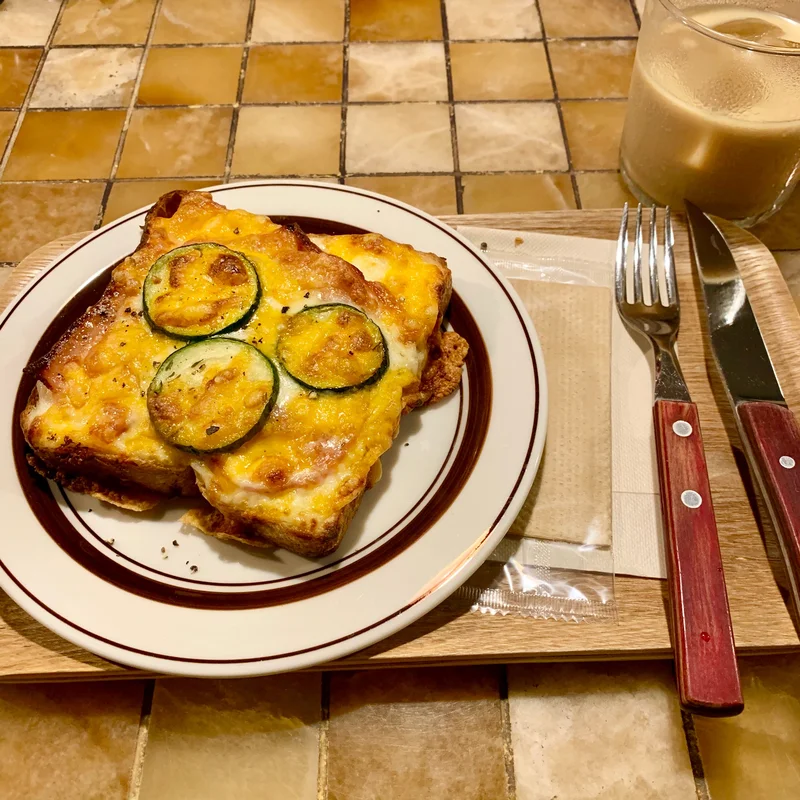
x=774, y=438
x=705, y=658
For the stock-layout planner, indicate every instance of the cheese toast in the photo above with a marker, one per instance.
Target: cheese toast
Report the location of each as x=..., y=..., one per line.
x=243, y=360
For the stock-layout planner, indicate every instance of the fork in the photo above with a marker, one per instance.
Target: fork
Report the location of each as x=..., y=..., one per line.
x=705, y=658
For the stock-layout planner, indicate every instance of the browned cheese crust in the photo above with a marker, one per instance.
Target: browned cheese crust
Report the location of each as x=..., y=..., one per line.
x=139, y=486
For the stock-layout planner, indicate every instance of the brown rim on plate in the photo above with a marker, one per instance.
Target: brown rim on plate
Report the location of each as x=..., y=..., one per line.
x=444, y=498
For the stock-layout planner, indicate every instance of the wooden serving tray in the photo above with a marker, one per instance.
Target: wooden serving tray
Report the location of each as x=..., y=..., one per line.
x=451, y=634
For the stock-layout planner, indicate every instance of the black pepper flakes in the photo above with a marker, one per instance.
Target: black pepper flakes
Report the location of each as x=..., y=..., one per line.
x=175, y=543
x=211, y=429
x=307, y=295
x=236, y=231
x=284, y=309
x=484, y=246
x=193, y=569
x=122, y=344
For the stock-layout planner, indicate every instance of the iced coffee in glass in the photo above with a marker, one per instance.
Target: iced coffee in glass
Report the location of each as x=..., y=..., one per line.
x=714, y=107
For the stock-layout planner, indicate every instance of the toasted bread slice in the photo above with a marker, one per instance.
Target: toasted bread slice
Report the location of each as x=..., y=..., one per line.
x=298, y=481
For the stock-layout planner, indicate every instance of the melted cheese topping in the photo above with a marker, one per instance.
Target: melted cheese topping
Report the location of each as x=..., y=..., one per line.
x=316, y=450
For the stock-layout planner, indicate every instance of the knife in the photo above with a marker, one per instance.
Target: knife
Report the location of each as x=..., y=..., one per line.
x=768, y=428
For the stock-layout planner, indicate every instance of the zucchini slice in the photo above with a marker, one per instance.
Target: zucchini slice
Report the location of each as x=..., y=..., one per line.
x=333, y=347
x=199, y=290
x=212, y=395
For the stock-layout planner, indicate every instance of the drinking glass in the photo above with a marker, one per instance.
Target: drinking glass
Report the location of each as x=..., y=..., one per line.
x=714, y=107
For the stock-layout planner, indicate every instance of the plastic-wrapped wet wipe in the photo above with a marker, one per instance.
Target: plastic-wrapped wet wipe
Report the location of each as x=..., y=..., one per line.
x=557, y=560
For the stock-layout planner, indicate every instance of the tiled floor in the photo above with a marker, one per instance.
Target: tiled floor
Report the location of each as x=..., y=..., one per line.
x=533, y=732
x=454, y=105
x=470, y=106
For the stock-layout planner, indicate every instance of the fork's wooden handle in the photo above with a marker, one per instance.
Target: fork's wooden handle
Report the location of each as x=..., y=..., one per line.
x=774, y=438
x=705, y=658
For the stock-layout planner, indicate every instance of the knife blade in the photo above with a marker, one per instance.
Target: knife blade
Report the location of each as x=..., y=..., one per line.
x=769, y=430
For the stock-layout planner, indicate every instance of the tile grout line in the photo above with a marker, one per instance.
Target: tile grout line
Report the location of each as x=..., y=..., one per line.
x=12, y=137
x=123, y=134
x=196, y=45
x=459, y=184
x=636, y=14
x=141, y=740
x=237, y=105
x=252, y=176
x=315, y=103
x=324, y=727
x=698, y=773
x=345, y=99
x=559, y=110
x=505, y=727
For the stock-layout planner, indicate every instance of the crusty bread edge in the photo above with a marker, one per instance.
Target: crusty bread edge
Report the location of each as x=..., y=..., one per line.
x=121, y=483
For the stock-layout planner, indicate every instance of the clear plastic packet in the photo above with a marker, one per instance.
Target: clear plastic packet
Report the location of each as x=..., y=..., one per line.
x=557, y=560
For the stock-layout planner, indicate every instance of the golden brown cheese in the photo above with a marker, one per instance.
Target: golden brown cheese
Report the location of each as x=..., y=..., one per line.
x=314, y=455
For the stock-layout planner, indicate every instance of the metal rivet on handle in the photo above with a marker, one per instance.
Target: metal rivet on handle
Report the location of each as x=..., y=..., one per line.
x=787, y=462
x=682, y=428
x=691, y=499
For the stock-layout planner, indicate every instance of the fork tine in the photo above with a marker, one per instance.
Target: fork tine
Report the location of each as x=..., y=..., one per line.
x=655, y=296
x=621, y=257
x=637, y=258
x=669, y=260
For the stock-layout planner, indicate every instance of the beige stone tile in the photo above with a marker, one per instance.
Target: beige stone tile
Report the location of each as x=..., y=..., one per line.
x=84, y=147
x=87, y=78
x=493, y=19
x=579, y=18
x=594, y=130
x=126, y=196
x=178, y=142
x=72, y=741
x=294, y=73
x=388, y=20
x=7, y=120
x=397, y=71
x=490, y=194
x=27, y=22
x=287, y=140
x=401, y=137
x=757, y=754
x=254, y=739
x=435, y=194
x=104, y=22
x=586, y=732
x=16, y=70
x=190, y=76
x=509, y=137
x=58, y=208
x=500, y=71
x=592, y=68
x=408, y=734
x=603, y=190
x=782, y=231
x=298, y=21
x=201, y=21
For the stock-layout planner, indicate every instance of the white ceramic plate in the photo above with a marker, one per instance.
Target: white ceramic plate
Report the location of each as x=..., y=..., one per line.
x=452, y=484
